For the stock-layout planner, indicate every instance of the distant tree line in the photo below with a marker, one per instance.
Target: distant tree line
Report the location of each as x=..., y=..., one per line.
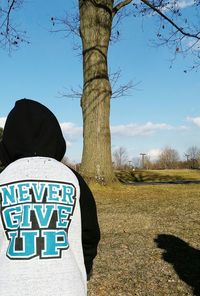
x=168, y=158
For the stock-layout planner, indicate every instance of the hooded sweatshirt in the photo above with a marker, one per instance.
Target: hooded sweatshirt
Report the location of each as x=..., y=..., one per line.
x=49, y=230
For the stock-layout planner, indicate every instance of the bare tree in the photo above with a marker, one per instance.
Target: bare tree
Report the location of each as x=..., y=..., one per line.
x=147, y=162
x=193, y=154
x=95, y=24
x=10, y=35
x=96, y=20
x=168, y=158
x=120, y=157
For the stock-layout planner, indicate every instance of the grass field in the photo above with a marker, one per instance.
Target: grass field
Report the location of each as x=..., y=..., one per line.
x=157, y=175
x=150, y=241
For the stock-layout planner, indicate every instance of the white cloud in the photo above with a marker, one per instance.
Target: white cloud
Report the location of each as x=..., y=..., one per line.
x=185, y=3
x=134, y=129
x=154, y=153
x=194, y=120
x=181, y=4
x=70, y=131
x=2, y=121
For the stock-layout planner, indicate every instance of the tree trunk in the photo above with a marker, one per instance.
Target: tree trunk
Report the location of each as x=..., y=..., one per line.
x=95, y=30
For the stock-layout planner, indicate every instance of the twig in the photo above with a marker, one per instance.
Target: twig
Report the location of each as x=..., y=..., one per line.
x=179, y=29
x=119, y=6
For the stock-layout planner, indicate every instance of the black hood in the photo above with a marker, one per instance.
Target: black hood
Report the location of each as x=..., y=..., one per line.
x=31, y=129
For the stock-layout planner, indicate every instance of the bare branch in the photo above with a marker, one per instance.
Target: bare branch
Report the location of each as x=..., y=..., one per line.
x=72, y=93
x=179, y=29
x=69, y=24
x=122, y=90
x=8, y=16
x=118, y=91
x=117, y=20
x=119, y=6
x=10, y=36
x=114, y=77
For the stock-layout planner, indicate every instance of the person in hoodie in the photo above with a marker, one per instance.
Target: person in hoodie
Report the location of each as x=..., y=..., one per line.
x=49, y=229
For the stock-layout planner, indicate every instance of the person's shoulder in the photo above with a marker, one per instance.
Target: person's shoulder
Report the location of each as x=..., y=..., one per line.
x=39, y=168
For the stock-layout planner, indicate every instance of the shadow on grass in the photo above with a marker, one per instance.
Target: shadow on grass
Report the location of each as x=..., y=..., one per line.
x=145, y=176
x=184, y=259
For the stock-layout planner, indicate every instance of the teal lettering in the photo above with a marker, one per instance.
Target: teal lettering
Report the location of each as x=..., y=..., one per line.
x=29, y=244
x=23, y=189
x=63, y=216
x=26, y=217
x=53, y=192
x=43, y=214
x=38, y=191
x=8, y=195
x=12, y=217
x=55, y=240
x=68, y=194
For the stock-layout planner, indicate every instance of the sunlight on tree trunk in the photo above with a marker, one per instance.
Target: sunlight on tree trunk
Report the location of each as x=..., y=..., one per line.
x=95, y=30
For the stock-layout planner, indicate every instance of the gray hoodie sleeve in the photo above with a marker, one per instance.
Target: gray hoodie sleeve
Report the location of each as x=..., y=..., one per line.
x=90, y=226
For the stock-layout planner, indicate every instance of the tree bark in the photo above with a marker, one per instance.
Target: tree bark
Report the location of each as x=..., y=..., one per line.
x=95, y=30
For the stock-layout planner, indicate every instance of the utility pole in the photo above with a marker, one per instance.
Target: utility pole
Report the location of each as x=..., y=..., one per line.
x=143, y=155
x=187, y=159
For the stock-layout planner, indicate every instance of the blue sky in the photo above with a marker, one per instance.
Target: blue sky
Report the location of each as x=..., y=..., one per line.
x=162, y=110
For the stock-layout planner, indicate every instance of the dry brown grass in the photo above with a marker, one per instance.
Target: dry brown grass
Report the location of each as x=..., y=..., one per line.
x=130, y=262
x=157, y=175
